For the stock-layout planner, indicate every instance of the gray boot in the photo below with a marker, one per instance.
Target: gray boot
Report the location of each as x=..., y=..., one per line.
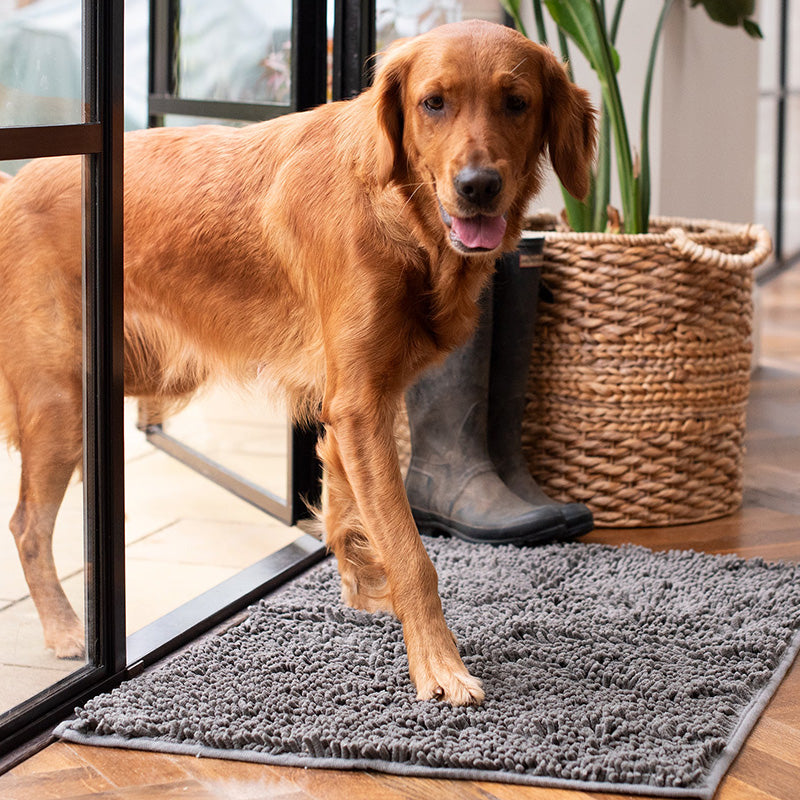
x=516, y=291
x=452, y=484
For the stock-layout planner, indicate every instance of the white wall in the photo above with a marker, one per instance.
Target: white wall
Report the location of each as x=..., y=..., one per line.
x=708, y=118
x=703, y=111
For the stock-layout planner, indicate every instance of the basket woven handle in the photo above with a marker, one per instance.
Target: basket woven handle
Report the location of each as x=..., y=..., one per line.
x=704, y=254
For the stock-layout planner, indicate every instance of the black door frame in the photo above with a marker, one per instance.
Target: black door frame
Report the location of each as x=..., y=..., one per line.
x=99, y=139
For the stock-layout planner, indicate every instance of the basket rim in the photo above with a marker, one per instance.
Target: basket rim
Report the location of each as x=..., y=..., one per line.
x=693, y=239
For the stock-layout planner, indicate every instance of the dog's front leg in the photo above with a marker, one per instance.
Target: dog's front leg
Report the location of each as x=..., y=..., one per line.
x=359, y=442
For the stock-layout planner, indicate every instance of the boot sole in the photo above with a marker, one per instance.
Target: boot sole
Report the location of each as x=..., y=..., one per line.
x=432, y=522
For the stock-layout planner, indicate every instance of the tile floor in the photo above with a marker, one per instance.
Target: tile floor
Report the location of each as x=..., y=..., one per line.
x=184, y=534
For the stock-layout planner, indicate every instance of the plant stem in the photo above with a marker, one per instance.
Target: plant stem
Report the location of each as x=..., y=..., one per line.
x=538, y=15
x=612, y=31
x=629, y=184
x=644, y=197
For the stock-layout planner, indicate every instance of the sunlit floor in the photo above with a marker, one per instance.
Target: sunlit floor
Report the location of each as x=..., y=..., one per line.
x=184, y=534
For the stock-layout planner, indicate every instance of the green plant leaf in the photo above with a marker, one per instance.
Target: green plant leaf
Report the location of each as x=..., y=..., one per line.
x=577, y=19
x=733, y=13
x=752, y=29
x=513, y=9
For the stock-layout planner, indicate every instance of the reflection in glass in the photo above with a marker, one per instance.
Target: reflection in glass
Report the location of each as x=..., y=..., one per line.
x=395, y=19
x=40, y=63
x=235, y=51
x=36, y=404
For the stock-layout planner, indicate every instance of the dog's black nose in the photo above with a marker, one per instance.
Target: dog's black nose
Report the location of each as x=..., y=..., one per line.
x=478, y=185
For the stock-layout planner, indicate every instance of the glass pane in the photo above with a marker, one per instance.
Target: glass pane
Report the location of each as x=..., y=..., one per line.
x=791, y=197
x=184, y=533
x=238, y=430
x=40, y=413
x=40, y=63
x=769, y=54
x=793, y=44
x=180, y=120
x=236, y=51
x=399, y=18
x=765, y=162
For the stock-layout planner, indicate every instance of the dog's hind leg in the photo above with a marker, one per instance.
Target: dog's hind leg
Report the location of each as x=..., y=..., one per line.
x=50, y=442
x=364, y=583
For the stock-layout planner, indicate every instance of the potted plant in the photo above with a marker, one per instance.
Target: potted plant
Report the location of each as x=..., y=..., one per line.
x=585, y=23
x=640, y=368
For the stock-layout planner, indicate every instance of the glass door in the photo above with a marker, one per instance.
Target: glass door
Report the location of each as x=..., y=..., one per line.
x=216, y=490
x=778, y=163
x=61, y=605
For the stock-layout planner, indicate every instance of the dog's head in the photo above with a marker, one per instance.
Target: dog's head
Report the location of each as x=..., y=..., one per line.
x=468, y=110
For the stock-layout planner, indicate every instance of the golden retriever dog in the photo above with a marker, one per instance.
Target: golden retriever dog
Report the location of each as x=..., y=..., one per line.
x=338, y=251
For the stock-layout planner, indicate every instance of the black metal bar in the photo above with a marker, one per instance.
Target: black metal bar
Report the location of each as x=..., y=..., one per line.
x=48, y=708
x=103, y=465
x=353, y=45
x=209, y=609
x=780, y=145
x=309, y=89
x=774, y=269
x=309, y=53
x=50, y=140
x=218, y=109
x=236, y=484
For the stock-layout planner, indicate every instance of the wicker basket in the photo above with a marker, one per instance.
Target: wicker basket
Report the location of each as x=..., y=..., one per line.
x=640, y=370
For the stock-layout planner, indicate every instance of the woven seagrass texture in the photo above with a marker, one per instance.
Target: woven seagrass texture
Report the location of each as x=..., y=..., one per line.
x=640, y=371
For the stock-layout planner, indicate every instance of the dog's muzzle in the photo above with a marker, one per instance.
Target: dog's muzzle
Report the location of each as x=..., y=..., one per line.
x=476, y=234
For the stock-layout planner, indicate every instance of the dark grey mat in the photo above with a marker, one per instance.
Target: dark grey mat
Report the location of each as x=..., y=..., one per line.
x=605, y=668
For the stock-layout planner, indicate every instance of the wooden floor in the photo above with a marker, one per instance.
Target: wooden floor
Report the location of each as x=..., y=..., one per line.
x=768, y=766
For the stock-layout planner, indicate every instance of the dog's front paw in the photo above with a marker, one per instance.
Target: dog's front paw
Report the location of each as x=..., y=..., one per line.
x=458, y=689
x=443, y=676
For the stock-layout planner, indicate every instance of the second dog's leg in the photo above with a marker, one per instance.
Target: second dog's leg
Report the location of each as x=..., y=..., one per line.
x=50, y=446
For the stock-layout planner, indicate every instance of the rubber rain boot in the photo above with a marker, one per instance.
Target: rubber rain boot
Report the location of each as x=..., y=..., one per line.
x=452, y=485
x=516, y=293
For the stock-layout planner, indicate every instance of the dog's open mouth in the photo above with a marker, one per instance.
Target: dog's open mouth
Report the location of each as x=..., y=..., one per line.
x=477, y=234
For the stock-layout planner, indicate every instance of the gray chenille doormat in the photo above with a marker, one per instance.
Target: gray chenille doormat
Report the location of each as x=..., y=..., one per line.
x=605, y=668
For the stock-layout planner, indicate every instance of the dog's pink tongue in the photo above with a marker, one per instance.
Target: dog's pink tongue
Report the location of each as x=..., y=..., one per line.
x=480, y=231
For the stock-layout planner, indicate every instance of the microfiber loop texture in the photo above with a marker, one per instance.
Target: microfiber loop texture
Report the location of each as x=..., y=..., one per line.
x=606, y=668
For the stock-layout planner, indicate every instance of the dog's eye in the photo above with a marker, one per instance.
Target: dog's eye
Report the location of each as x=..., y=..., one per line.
x=434, y=103
x=515, y=103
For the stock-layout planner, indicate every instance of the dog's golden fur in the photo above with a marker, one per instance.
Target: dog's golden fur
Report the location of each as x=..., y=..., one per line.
x=311, y=248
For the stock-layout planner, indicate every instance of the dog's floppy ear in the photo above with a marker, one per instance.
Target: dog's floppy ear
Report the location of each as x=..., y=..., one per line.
x=571, y=129
x=388, y=90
